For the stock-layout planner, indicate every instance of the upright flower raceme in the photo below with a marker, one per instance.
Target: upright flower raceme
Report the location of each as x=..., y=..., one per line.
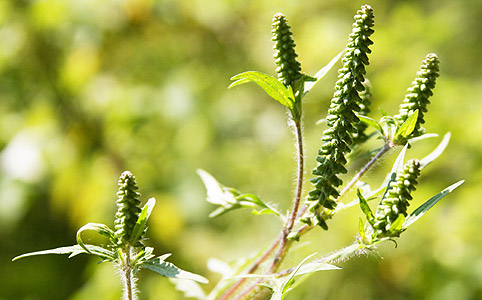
x=360, y=135
x=341, y=118
x=396, y=201
x=289, y=69
x=128, y=207
x=419, y=93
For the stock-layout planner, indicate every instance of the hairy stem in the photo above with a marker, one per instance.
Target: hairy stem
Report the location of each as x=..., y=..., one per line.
x=129, y=281
x=365, y=169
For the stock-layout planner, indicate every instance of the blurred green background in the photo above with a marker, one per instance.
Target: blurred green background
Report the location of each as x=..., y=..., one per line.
x=90, y=88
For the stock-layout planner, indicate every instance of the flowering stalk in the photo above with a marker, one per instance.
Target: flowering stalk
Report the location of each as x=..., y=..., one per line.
x=419, y=92
x=395, y=204
x=341, y=119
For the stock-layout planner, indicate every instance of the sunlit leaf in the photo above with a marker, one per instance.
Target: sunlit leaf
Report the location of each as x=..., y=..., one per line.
x=322, y=72
x=371, y=122
x=408, y=126
x=73, y=251
x=272, y=86
x=422, y=209
x=436, y=153
x=101, y=229
x=396, y=168
x=365, y=207
x=142, y=220
x=169, y=270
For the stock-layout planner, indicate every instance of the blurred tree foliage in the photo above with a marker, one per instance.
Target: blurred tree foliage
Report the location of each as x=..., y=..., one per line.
x=91, y=88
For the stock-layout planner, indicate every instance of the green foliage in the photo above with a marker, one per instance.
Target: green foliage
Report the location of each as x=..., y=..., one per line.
x=90, y=90
x=125, y=249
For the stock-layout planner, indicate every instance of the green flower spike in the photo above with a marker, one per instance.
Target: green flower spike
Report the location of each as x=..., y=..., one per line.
x=341, y=118
x=128, y=207
x=289, y=69
x=419, y=92
x=360, y=136
x=396, y=202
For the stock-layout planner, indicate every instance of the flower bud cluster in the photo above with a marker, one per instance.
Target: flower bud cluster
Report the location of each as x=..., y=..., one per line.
x=289, y=69
x=128, y=207
x=418, y=94
x=396, y=201
x=341, y=118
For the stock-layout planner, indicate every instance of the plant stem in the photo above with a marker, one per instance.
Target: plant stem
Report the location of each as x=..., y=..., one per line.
x=129, y=283
x=365, y=169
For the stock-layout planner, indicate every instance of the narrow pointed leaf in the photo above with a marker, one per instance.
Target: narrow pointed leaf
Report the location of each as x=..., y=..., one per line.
x=361, y=229
x=422, y=209
x=322, y=72
x=142, y=220
x=436, y=153
x=272, y=86
x=365, y=207
x=169, y=270
x=408, y=126
x=371, y=122
x=397, y=167
x=397, y=225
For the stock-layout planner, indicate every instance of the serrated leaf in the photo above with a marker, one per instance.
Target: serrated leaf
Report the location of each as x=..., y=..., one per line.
x=73, y=251
x=321, y=73
x=141, y=221
x=169, y=270
x=365, y=207
x=371, y=122
x=422, y=209
x=408, y=126
x=436, y=153
x=272, y=86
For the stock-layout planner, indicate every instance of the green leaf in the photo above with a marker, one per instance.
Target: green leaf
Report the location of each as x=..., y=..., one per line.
x=407, y=127
x=272, y=86
x=397, y=225
x=361, y=228
x=101, y=229
x=169, y=270
x=371, y=122
x=436, y=153
x=230, y=199
x=422, y=209
x=73, y=251
x=141, y=221
x=396, y=168
x=365, y=207
x=189, y=288
x=321, y=73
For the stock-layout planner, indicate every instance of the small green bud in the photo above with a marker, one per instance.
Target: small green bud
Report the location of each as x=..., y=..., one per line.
x=128, y=207
x=396, y=201
x=418, y=94
x=289, y=69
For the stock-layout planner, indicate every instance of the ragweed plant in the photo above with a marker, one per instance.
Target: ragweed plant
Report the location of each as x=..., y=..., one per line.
x=126, y=247
x=348, y=126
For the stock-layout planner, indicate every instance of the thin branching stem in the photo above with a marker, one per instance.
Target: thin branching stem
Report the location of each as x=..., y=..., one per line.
x=365, y=169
